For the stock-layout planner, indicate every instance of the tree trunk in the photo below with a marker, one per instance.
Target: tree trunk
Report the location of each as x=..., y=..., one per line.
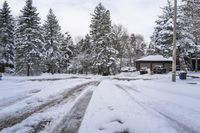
x=191, y=66
x=130, y=63
x=121, y=63
x=28, y=70
x=196, y=65
x=182, y=63
x=108, y=70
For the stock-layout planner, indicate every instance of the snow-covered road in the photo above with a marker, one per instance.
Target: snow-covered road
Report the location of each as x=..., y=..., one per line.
x=126, y=103
x=155, y=105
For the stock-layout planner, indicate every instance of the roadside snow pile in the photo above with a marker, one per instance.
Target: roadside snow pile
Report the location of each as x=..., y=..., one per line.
x=196, y=74
x=43, y=76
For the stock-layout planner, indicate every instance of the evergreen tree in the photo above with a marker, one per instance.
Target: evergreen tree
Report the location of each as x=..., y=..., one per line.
x=85, y=54
x=53, y=42
x=191, y=15
x=29, y=43
x=65, y=52
x=104, y=55
x=191, y=24
x=85, y=45
x=162, y=38
x=163, y=32
x=151, y=49
x=7, y=44
x=75, y=62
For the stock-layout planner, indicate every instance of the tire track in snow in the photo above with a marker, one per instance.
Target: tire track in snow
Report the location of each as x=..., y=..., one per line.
x=72, y=121
x=12, y=120
x=180, y=127
x=133, y=98
x=12, y=100
x=177, y=125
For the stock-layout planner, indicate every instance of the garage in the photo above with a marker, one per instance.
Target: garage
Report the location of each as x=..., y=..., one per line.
x=152, y=61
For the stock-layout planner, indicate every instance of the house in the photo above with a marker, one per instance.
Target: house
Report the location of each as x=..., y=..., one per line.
x=153, y=60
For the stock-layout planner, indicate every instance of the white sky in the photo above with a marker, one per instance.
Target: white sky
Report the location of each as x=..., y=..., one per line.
x=74, y=16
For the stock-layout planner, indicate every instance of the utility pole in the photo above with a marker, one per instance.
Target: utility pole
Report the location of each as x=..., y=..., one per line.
x=174, y=43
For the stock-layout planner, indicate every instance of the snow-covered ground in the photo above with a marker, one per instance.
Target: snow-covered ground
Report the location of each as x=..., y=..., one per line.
x=125, y=103
x=27, y=104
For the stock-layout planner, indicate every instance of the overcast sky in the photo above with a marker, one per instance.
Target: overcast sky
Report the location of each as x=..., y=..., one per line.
x=74, y=16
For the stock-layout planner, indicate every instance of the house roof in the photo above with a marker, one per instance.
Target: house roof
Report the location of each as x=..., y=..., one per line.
x=155, y=58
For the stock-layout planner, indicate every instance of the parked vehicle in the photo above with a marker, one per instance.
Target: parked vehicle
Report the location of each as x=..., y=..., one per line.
x=143, y=70
x=158, y=69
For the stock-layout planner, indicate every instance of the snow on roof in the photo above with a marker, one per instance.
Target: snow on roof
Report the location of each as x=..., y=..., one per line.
x=155, y=58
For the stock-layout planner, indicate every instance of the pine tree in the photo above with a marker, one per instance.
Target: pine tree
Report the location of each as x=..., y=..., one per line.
x=85, y=45
x=191, y=15
x=7, y=44
x=151, y=48
x=66, y=52
x=75, y=63
x=29, y=43
x=104, y=55
x=85, y=54
x=53, y=41
x=162, y=37
x=191, y=24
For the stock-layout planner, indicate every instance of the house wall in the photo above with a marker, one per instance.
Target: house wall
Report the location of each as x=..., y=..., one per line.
x=145, y=65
